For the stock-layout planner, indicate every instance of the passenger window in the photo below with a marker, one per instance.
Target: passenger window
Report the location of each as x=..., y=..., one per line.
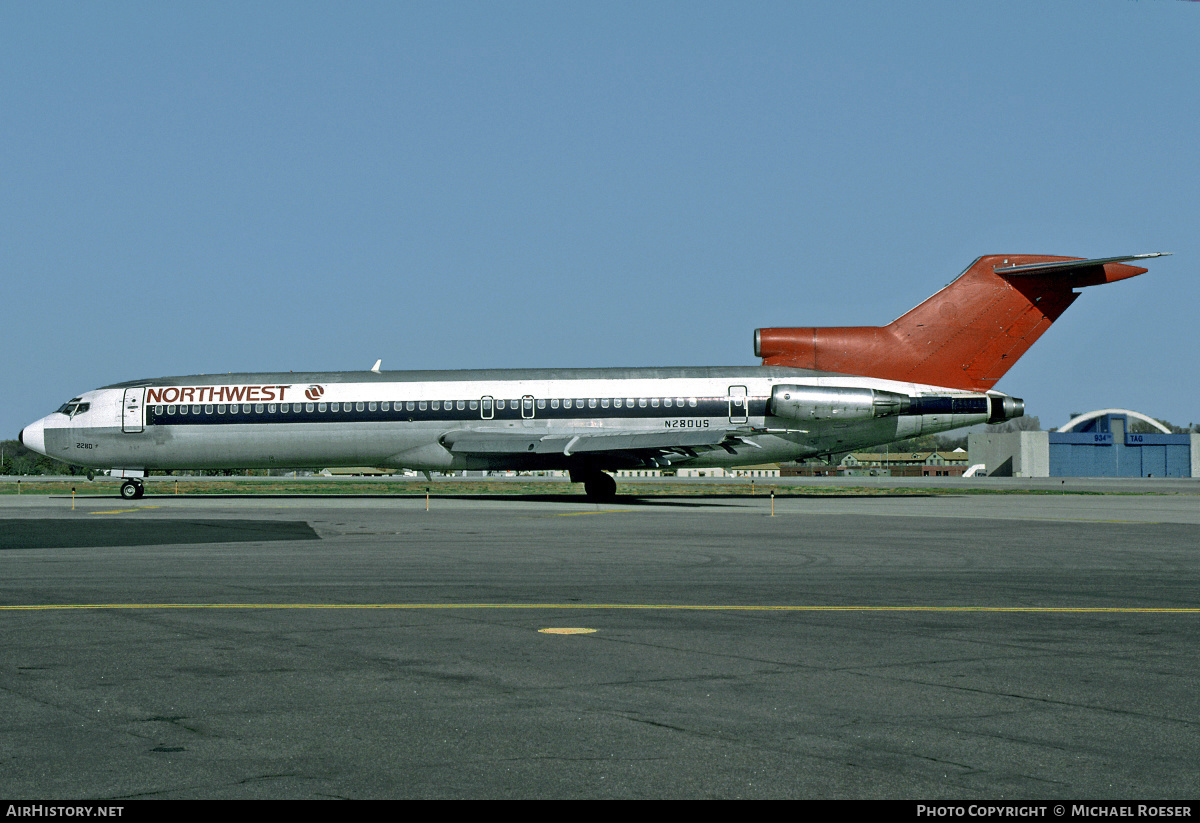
x=679, y=402
x=208, y=409
x=258, y=408
x=246, y=408
x=617, y=403
x=541, y=404
x=158, y=409
x=567, y=403
x=641, y=402
x=359, y=406
x=603, y=403
x=385, y=406
x=654, y=402
x=196, y=409
x=591, y=402
x=271, y=408
x=409, y=406
x=461, y=405
x=335, y=407
x=554, y=403
x=308, y=407
x=183, y=409
x=692, y=402
x=437, y=405
x=474, y=405
x=372, y=407
x=320, y=407
x=667, y=402
x=423, y=405
x=170, y=409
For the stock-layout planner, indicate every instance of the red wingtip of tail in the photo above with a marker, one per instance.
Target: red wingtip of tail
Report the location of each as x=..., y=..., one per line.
x=1119, y=271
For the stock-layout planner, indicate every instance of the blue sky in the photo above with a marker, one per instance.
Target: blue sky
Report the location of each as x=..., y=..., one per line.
x=211, y=187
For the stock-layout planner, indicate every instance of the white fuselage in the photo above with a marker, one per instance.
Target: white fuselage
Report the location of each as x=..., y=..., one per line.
x=412, y=419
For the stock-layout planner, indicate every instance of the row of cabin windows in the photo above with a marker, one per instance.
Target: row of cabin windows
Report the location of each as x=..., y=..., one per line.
x=526, y=403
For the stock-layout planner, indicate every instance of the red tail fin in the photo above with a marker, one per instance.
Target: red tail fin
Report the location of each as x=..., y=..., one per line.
x=966, y=336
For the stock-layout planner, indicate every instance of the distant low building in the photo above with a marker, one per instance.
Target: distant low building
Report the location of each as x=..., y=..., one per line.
x=808, y=468
x=904, y=464
x=760, y=470
x=356, y=471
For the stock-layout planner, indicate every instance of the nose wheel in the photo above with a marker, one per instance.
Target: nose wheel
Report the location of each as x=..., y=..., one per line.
x=132, y=489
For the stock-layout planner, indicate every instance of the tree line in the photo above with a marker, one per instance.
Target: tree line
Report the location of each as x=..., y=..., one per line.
x=16, y=459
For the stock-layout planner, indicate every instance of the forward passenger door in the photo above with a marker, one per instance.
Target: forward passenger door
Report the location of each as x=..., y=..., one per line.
x=131, y=410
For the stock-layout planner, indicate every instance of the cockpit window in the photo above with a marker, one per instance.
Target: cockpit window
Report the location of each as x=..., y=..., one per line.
x=73, y=407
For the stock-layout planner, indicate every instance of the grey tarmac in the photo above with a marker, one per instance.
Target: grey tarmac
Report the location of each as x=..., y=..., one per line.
x=949, y=647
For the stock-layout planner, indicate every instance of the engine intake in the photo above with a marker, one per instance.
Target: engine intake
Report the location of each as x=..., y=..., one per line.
x=835, y=403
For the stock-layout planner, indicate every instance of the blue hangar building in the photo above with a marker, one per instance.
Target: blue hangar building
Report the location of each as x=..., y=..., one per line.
x=1096, y=444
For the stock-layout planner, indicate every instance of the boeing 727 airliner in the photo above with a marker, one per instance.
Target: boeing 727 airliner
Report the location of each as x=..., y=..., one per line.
x=817, y=392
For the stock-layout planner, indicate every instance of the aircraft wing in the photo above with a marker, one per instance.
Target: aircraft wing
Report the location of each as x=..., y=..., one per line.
x=647, y=444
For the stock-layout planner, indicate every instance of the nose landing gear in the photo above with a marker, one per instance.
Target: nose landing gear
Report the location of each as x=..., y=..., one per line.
x=132, y=489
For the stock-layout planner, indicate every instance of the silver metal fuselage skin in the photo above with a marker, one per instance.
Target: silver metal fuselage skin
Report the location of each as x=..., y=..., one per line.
x=389, y=419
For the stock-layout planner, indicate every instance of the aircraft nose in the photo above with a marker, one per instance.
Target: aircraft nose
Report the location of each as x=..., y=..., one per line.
x=33, y=437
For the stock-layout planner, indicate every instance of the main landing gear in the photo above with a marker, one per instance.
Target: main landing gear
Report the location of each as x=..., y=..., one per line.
x=132, y=489
x=596, y=484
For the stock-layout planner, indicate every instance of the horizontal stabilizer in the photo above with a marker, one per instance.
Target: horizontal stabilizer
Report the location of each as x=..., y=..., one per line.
x=1064, y=266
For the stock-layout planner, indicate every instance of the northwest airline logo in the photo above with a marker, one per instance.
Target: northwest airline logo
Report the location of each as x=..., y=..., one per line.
x=314, y=392
x=216, y=394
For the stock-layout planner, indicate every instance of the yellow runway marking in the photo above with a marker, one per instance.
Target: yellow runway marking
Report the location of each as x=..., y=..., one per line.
x=124, y=511
x=616, y=607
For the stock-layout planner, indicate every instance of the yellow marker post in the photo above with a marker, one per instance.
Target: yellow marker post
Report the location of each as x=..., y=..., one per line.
x=426, y=498
x=72, y=498
x=177, y=487
x=772, y=502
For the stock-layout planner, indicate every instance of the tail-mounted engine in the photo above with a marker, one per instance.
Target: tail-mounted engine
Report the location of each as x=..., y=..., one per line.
x=1001, y=408
x=835, y=403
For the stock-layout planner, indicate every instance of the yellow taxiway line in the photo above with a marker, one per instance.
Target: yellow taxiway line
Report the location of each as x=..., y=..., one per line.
x=617, y=606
